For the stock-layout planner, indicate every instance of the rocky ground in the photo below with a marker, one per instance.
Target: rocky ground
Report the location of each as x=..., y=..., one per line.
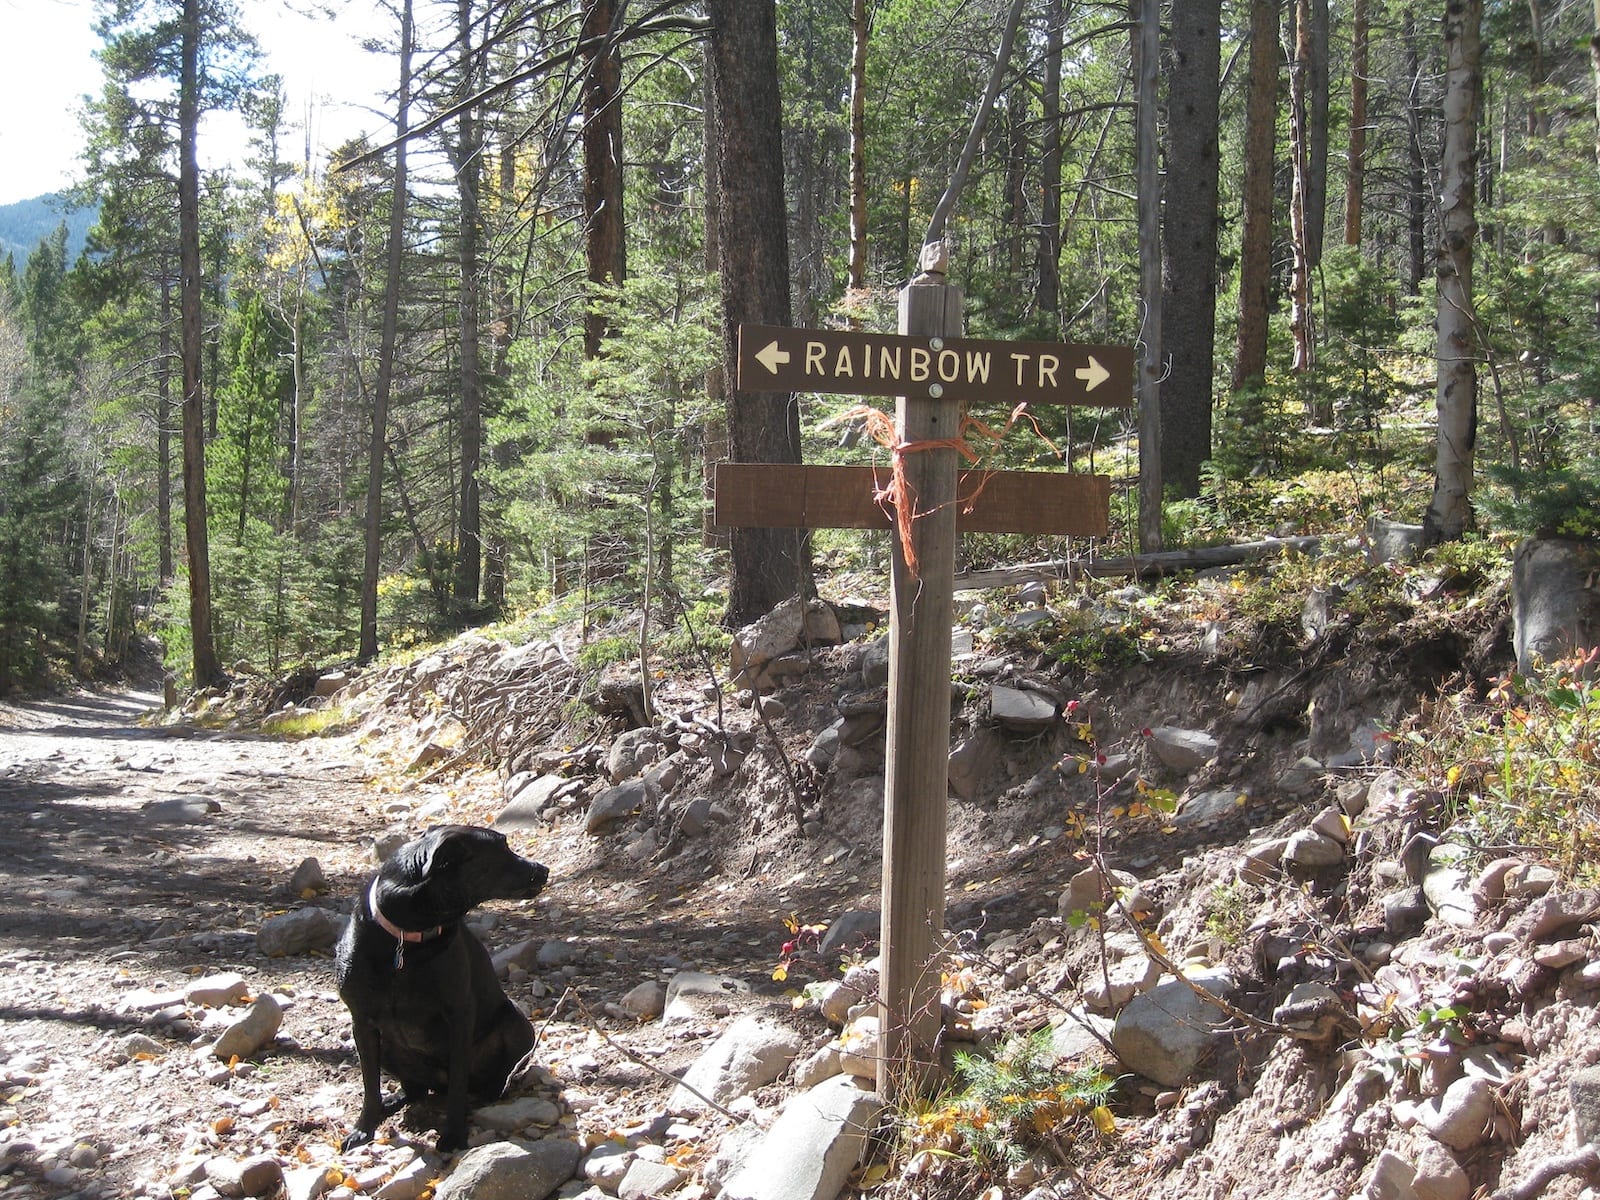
x=1389, y=1011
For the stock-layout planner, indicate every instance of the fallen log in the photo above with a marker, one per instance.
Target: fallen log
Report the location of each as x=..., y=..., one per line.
x=1140, y=566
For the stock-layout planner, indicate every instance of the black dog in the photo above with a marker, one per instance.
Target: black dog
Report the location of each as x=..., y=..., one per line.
x=421, y=990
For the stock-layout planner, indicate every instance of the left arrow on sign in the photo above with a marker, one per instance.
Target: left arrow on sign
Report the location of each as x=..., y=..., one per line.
x=771, y=357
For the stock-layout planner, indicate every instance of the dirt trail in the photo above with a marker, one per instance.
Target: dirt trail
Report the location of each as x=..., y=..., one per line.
x=132, y=860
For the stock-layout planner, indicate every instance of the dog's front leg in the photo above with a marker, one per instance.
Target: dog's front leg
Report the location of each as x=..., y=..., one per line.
x=453, y=1136
x=369, y=1050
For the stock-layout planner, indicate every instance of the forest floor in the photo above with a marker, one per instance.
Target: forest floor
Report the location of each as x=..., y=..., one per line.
x=140, y=855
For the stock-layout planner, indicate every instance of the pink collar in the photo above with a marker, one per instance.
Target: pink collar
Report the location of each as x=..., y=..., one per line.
x=393, y=930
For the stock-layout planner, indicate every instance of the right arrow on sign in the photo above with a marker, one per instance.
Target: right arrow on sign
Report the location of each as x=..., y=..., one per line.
x=1093, y=375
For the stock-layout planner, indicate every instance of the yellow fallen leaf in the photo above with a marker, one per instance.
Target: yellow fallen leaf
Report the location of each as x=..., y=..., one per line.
x=222, y=1125
x=1103, y=1120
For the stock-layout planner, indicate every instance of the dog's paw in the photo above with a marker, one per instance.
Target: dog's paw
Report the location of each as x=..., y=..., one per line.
x=355, y=1139
x=451, y=1141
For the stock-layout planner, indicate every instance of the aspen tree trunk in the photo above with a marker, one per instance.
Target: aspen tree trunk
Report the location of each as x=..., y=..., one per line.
x=1299, y=195
x=1449, y=513
x=860, y=32
x=1255, y=253
x=378, y=438
x=1356, y=154
x=1049, y=262
x=469, y=173
x=1149, y=190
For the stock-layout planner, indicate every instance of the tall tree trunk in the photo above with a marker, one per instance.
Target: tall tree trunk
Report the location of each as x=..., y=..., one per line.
x=604, y=241
x=766, y=565
x=1148, y=60
x=1255, y=252
x=207, y=669
x=1189, y=242
x=1317, y=133
x=860, y=33
x=1300, y=190
x=1416, y=166
x=1049, y=254
x=1449, y=513
x=378, y=439
x=164, y=429
x=1356, y=153
x=469, y=173
x=1594, y=62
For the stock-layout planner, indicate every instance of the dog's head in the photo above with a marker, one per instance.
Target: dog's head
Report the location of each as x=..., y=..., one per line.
x=453, y=868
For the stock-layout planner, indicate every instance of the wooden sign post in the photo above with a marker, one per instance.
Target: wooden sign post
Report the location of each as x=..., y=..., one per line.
x=932, y=371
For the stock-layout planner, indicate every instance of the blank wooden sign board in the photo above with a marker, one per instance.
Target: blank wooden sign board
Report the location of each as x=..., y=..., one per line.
x=932, y=374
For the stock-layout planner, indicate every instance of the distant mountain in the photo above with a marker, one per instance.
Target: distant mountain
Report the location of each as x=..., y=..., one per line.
x=26, y=223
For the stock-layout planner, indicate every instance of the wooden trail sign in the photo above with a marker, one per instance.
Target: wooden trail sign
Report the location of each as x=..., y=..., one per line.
x=795, y=497
x=937, y=374
x=949, y=368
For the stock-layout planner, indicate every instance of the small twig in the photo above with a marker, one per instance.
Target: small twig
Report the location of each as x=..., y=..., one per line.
x=1584, y=1161
x=594, y=1027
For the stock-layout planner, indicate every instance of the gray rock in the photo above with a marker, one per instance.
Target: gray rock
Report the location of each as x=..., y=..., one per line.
x=328, y=683
x=1448, y=888
x=511, y=1115
x=1259, y=862
x=875, y=662
x=826, y=746
x=1090, y=892
x=1583, y=1089
x=1390, y=541
x=630, y=754
x=191, y=810
x=299, y=932
x=646, y=1180
x=606, y=1166
x=511, y=1171
x=217, y=991
x=525, y=808
x=1182, y=749
x=1125, y=972
x=1079, y=1033
x=1554, y=609
x=973, y=761
x=558, y=952
x=859, y=985
x=1463, y=1117
x=615, y=804
x=1404, y=913
x=1166, y=1032
x=1021, y=711
x=408, y=1183
x=861, y=1047
x=1203, y=807
x=695, y=817
x=1529, y=880
x=782, y=630
x=1439, y=1176
x=1391, y=1178
x=689, y=993
x=1555, y=913
x=852, y=931
x=749, y=1054
x=647, y=1000
x=252, y=1032
x=308, y=879
x=819, y=1138
x=258, y=1176
x=1309, y=848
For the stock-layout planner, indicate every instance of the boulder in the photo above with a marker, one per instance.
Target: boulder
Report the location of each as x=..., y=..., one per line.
x=1020, y=711
x=1554, y=607
x=819, y=1138
x=1165, y=1033
x=299, y=932
x=616, y=803
x=1182, y=749
x=511, y=1171
x=750, y=1054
